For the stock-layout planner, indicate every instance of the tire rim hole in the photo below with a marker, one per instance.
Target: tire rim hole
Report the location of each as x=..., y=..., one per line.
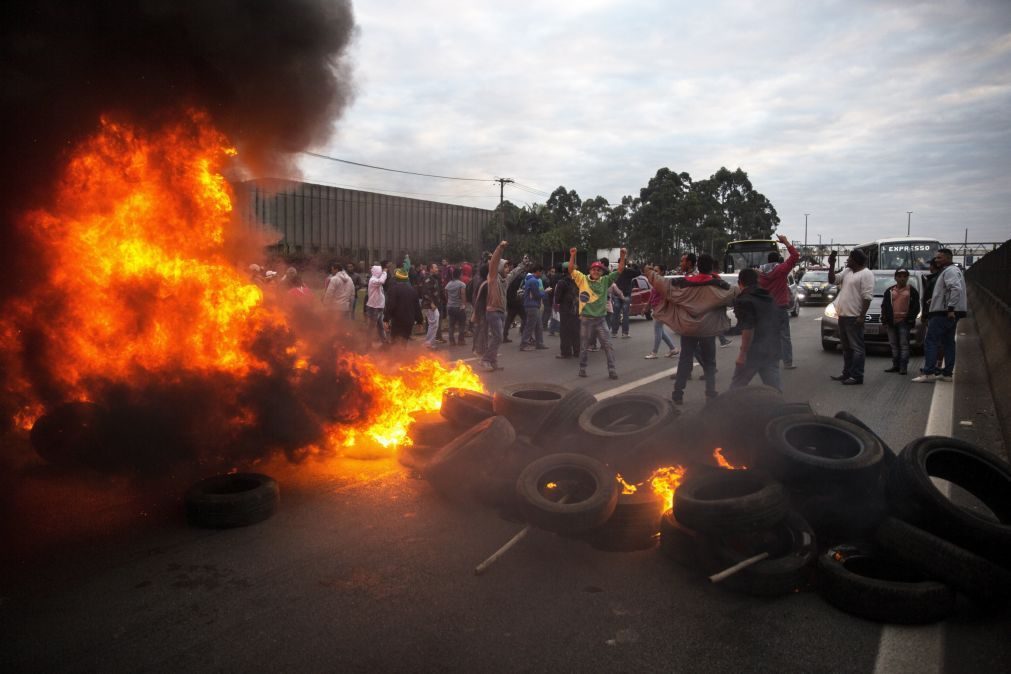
x=573, y=483
x=537, y=394
x=824, y=442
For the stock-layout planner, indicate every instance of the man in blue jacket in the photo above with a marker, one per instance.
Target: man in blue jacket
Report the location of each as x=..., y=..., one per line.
x=533, y=295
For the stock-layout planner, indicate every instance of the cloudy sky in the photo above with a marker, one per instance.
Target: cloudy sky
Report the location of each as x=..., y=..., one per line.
x=854, y=112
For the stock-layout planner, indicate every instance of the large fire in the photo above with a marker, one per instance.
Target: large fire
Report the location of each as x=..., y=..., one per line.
x=145, y=283
x=665, y=481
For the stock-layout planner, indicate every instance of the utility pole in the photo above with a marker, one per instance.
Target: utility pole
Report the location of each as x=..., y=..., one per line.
x=909, y=221
x=501, y=188
x=805, y=232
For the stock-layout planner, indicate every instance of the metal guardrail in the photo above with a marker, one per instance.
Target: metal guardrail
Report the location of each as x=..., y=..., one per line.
x=992, y=273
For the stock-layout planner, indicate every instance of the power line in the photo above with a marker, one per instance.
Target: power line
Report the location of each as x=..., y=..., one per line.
x=532, y=189
x=383, y=168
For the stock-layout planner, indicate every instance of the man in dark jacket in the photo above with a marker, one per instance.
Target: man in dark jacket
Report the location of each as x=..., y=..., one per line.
x=566, y=299
x=401, y=307
x=758, y=321
x=533, y=295
x=622, y=307
x=899, y=309
x=514, y=301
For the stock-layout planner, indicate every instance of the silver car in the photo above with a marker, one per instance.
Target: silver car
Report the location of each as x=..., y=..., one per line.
x=874, y=331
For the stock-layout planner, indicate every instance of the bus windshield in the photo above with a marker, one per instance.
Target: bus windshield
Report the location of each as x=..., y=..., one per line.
x=747, y=254
x=907, y=254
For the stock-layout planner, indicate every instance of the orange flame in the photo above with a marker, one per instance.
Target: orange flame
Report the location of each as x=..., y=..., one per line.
x=722, y=462
x=663, y=481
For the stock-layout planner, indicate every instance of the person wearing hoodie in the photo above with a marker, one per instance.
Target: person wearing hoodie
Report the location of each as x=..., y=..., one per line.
x=340, y=291
x=566, y=299
x=694, y=307
x=375, y=302
x=495, y=304
x=758, y=324
x=533, y=296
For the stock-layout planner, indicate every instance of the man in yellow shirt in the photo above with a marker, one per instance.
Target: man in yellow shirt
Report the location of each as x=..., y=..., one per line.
x=593, y=309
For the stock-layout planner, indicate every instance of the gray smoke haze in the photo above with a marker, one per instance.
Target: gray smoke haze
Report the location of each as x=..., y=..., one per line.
x=272, y=75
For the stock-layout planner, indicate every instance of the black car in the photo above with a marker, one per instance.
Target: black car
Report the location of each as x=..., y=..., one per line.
x=814, y=288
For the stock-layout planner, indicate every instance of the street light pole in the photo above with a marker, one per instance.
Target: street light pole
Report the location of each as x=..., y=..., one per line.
x=805, y=231
x=909, y=221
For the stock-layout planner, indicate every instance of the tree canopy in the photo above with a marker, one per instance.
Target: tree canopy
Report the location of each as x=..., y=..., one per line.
x=672, y=215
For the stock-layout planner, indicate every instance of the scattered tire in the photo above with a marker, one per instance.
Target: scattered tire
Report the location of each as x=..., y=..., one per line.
x=810, y=448
x=750, y=408
x=792, y=549
x=460, y=467
x=679, y=543
x=69, y=433
x=915, y=498
x=634, y=525
x=875, y=588
x=416, y=456
x=725, y=501
x=432, y=429
x=624, y=421
x=233, y=500
x=526, y=405
x=889, y=455
x=590, y=489
x=563, y=418
x=937, y=558
x=465, y=408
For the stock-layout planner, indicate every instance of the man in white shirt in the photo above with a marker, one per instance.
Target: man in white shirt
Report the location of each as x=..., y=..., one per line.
x=856, y=287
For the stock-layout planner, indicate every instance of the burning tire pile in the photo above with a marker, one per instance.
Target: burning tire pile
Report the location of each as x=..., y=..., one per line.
x=816, y=502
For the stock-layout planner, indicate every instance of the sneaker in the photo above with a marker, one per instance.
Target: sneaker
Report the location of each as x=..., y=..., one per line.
x=526, y=348
x=852, y=382
x=626, y=336
x=650, y=356
x=924, y=379
x=892, y=369
x=677, y=399
x=440, y=340
x=944, y=377
x=560, y=356
x=789, y=366
x=612, y=374
x=674, y=352
x=487, y=367
x=540, y=347
x=582, y=373
x=594, y=348
x=725, y=344
x=506, y=340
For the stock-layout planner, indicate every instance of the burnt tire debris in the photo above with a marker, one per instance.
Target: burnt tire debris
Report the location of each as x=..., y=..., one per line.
x=798, y=502
x=232, y=500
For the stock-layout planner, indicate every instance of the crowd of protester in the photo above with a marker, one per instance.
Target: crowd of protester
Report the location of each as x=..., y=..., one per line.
x=479, y=303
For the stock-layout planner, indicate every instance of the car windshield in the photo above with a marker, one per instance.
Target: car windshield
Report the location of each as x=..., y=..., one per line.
x=815, y=277
x=907, y=255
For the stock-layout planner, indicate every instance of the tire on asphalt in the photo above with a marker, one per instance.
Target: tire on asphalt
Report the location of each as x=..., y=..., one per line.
x=875, y=588
x=632, y=526
x=563, y=418
x=750, y=408
x=465, y=408
x=808, y=448
x=526, y=405
x=69, y=434
x=679, y=543
x=915, y=498
x=725, y=501
x=792, y=546
x=972, y=575
x=432, y=429
x=590, y=487
x=853, y=419
x=460, y=468
x=233, y=500
x=622, y=422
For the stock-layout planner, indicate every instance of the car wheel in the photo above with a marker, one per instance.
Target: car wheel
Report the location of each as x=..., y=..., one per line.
x=827, y=345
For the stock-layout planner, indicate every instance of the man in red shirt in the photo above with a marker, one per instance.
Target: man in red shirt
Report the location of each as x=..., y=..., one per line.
x=773, y=280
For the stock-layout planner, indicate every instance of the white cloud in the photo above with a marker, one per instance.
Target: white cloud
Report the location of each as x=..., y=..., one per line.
x=854, y=112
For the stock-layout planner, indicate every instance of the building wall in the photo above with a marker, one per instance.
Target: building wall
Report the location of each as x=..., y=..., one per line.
x=360, y=225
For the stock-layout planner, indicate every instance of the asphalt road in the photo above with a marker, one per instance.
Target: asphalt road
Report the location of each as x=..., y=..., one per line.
x=366, y=569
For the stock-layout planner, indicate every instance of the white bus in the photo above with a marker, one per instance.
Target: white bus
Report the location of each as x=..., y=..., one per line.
x=906, y=252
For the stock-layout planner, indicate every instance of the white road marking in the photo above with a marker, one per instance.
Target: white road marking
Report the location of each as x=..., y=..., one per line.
x=618, y=390
x=920, y=649
x=817, y=319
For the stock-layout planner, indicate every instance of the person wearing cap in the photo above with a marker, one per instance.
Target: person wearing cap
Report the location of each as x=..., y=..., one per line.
x=593, y=291
x=401, y=306
x=899, y=309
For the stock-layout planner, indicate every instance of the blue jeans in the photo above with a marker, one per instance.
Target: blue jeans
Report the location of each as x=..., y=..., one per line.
x=706, y=347
x=594, y=327
x=940, y=339
x=851, y=335
x=659, y=332
x=768, y=372
x=495, y=321
x=620, y=316
x=375, y=317
x=784, y=336
x=898, y=339
x=533, y=329
x=432, y=319
x=480, y=334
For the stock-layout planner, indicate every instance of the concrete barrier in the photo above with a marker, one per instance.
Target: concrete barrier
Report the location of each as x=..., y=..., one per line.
x=993, y=320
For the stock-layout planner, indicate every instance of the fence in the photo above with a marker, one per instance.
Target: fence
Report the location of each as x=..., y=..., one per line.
x=992, y=273
x=359, y=225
